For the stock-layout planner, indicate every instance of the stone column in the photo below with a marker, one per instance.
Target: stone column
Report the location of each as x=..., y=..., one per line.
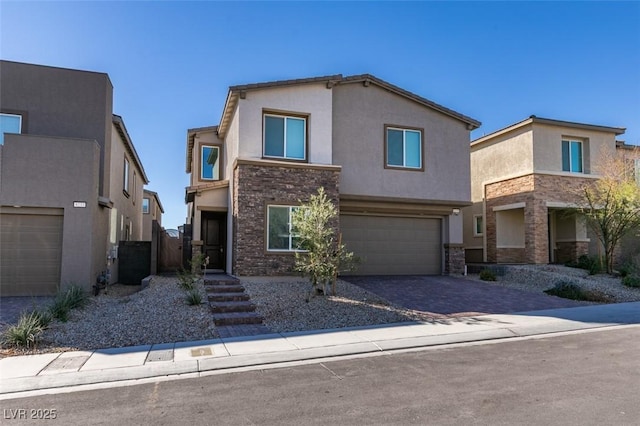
x=454, y=259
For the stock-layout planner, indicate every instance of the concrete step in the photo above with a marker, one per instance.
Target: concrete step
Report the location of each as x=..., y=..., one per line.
x=227, y=288
x=228, y=297
x=224, y=307
x=236, y=318
x=220, y=281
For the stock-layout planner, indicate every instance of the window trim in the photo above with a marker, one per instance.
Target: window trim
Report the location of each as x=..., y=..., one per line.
x=201, y=147
x=135, y=191
x=10, y=113
x=571, y=141
x=290, y=250
x=475, y=225
x=125, y=177
x=420, y=130
x=285, y=115
x=148, y=206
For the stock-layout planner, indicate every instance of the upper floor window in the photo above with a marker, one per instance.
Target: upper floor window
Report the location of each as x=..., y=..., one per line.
x=280, y=235
x=145, y=205
x=210, y=163
x=9, y=123
x=403, y=148
x=125, y=177
x=572, y=156
x=135, y=186
x=285, y=137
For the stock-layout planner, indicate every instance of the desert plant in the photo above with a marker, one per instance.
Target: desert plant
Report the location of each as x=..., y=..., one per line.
x=568, y=290
x=487, y=275
x=321, y=254
x=44, y=317
x=26, y=332
x=193, y=297
x=72, y=298
x=632, y=281
x=187, y=280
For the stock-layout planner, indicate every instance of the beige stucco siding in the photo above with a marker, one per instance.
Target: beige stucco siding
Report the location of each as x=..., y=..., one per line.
x=312, y=100
x=66, y=172
x=547, y=150
x=359, y=118
x=509, y=155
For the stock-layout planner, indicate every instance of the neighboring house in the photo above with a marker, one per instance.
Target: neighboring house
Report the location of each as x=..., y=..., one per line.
x=151, y=211
x=70, y=179
x=630, y=245
x=395, y=164
x=523, y=184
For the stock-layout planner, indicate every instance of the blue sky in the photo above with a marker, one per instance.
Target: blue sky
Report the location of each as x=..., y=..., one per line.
x=171, y=63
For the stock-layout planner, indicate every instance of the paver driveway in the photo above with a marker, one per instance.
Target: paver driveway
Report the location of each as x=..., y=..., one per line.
x=456, y=296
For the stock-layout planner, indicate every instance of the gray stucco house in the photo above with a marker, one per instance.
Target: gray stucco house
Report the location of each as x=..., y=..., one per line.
x=395, y=164
x=71, y=182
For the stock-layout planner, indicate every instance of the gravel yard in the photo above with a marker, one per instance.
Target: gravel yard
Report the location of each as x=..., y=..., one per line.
x=159, y=313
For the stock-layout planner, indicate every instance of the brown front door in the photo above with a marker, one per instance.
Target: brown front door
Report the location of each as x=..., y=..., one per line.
x=214, y=239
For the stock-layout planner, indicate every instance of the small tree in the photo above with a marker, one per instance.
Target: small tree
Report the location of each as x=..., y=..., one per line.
x=321, y=254
x=612, y=204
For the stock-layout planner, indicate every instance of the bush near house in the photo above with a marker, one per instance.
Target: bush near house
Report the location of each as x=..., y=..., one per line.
x=487, y=275
x=568, y=290
x=632, y=281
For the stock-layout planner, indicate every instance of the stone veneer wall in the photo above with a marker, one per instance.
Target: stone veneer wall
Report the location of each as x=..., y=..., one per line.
x=257, y=185
x=535, y=190
x=454, y=259
x=570, y=251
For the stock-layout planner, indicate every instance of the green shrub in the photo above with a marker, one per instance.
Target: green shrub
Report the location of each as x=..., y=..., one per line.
x=631, y=281
x=193, y=297
x=26, y=332
x=591, y=264
x=487, y=275
x=44, y=317
x=71, y=298
x=568, y=290
x=187, y=280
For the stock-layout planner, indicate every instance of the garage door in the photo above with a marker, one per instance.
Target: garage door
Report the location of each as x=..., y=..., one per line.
x=30, y=252
x=394, y=245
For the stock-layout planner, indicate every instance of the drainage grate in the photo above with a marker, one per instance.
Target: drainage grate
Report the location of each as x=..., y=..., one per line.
x=160, y=355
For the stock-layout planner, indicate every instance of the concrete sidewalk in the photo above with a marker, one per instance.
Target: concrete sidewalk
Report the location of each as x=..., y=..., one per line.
x=57, y=370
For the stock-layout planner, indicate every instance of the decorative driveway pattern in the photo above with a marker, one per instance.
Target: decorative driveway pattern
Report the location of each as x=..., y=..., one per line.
x=456, y=296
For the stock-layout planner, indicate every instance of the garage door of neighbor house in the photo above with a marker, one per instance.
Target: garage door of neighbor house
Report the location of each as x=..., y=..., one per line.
x=394, y=245
x=30, y=253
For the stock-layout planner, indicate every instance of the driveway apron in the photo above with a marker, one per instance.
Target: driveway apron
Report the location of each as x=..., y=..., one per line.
x=455, y=296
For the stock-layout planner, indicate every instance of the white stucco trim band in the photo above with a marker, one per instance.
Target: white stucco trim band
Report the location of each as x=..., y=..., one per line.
x=512, y=206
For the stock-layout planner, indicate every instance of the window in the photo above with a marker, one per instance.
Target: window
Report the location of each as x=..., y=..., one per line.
x=285, y=137
x=9, y=123
x=135, y=192
x=145, y=205
x=280, y=236
x=477, y=225
x=125, y=177
x=572, y=156
x=210, y=163
x=403, y=148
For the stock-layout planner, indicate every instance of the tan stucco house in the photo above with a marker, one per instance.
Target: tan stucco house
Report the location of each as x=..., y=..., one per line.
x=152, y=211
x=395, y=164
x=523, y=180
x=71, y=182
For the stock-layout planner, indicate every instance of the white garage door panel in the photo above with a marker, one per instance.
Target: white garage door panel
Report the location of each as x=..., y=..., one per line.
x=394, y=245
x=30, y=253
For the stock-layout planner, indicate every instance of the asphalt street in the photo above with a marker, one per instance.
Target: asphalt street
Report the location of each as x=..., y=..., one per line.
x=587, y=378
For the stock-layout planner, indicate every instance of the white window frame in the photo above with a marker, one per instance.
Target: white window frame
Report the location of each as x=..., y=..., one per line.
x=202, y=162
x=404, y=131
x=284, y=117
x=572, y=141
x=125, y=176
x=6, y=114
x=291, y=236
x=475, y=225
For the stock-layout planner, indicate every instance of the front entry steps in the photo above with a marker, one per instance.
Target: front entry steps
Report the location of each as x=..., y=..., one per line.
x=233, y=313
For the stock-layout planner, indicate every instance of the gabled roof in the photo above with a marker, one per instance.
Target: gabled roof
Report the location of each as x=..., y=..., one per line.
x=122, y=130
x=548, y=121
x=239, y=91
x=156, y=196
x=191, y=134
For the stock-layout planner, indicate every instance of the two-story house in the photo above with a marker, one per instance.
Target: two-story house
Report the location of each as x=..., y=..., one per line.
x=395, y=164
x=152, y=211
x=70, y=179
x=524, y=180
